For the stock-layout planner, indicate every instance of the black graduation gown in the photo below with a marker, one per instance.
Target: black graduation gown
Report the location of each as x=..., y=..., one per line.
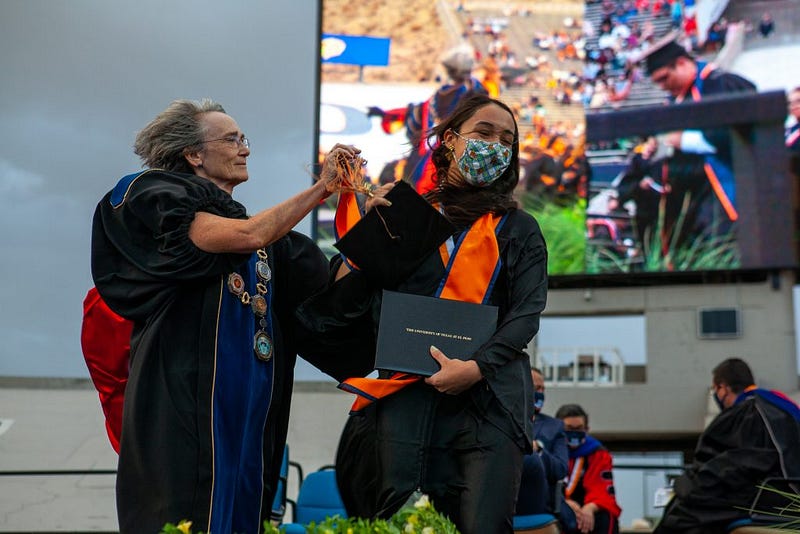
x=205, y=421
x=745, y=444
x=503, y=398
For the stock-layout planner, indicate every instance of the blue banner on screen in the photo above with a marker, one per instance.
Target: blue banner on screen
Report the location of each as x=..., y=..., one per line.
x=355, y=50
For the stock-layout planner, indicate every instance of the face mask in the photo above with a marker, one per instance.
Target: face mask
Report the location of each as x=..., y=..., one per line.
x=538, y=401
x=482, y=162
x=718, y=401
x=575, y=438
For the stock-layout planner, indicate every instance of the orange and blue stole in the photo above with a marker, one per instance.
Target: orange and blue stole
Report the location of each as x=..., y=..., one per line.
x=472, y=263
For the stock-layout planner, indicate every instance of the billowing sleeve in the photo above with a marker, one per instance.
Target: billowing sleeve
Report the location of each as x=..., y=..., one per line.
x=337, y=344
x=526, y=264
x=140, y=237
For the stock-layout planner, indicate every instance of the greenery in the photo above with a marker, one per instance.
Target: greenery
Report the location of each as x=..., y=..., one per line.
x=563, y=226
x=417, y=518
x=666, y=251
x=787, y=514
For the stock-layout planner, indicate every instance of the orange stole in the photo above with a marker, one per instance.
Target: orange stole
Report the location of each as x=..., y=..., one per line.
x=469, y=277
x=347, y=215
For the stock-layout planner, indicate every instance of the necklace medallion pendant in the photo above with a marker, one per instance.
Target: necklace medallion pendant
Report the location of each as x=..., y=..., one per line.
x=235, y=284
x=263, y=271
x=259, y=305
x=262, y=346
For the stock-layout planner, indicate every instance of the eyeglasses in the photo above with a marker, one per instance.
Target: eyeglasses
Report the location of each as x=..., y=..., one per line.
x=240, y=142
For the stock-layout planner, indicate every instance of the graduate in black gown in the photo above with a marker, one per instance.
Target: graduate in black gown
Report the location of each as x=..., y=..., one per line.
x=212, y=293
x=755, y=437
x=459, y=435
x=701, y=169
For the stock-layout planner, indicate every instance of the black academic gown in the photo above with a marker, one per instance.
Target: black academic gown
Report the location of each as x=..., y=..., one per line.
x=502, y=398
x=205, y=421
x=745, y=444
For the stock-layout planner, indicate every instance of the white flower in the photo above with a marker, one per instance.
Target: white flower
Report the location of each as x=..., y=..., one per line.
x=423, y=502
x=427, y=530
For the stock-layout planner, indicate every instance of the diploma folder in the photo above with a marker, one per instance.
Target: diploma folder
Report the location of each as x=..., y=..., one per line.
x=410, y=324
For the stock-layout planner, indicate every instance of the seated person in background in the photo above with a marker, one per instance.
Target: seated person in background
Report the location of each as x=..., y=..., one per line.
x=547, y=465
x=756, y=436
x=590, y=485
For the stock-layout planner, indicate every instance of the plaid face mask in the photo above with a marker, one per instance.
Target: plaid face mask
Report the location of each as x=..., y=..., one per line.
x=482, y=162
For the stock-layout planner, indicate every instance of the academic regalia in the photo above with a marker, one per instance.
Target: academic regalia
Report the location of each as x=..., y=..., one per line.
x=375, y=478
x=712, y=187
x=205, y=417
x=591, y=479
x=756, y=438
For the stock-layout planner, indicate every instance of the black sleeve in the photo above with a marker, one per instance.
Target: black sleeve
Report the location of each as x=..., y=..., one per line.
x=526, y=265
x=332, y=320
x=141, y=245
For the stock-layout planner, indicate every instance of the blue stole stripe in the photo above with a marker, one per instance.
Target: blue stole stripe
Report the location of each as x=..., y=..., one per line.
x=499, y=262
x=586, y=448
x=120, y=190
x=784, y=404
x=241, y=400
x=453, y=253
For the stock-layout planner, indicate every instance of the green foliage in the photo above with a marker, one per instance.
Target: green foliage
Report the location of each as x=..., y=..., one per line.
x=787, y=516
x=417, y=518
x=663, y=250
x=563, y=227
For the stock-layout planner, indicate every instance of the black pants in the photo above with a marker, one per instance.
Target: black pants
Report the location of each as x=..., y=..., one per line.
x=440, y=445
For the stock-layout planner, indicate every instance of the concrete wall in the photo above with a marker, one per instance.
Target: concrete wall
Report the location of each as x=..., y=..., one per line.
x=674, y=398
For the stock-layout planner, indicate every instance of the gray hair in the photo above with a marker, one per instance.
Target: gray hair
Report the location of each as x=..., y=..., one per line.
x=163, y=142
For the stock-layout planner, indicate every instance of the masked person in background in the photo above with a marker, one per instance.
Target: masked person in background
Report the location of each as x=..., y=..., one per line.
x=460, y=434
x=590, y=484
x=756, y=436
x=547, y=465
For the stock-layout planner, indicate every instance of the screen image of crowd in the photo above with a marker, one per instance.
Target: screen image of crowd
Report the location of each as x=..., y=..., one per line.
x=631, y=205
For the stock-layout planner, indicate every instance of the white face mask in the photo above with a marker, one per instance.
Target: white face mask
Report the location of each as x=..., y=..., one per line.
x=483, y=162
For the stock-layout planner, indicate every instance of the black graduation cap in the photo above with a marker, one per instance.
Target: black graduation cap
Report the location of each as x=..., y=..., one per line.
x=663, y=52
x=390, y=242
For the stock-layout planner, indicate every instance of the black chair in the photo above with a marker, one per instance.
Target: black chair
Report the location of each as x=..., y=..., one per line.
x=775, y=508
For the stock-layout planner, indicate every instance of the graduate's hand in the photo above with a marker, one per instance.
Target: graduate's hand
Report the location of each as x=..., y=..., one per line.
x=377, y=198
x=455, y=376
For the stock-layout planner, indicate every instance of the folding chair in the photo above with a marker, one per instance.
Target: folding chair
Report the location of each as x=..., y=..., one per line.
x=279, y=502
x=772, y=508
x=317, y=499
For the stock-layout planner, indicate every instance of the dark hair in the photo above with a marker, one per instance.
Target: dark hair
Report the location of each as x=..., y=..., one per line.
x=572, y=410
x=734, y=373
x=464, y=204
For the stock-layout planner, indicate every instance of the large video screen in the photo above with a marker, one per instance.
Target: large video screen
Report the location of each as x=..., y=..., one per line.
x=651, y=201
